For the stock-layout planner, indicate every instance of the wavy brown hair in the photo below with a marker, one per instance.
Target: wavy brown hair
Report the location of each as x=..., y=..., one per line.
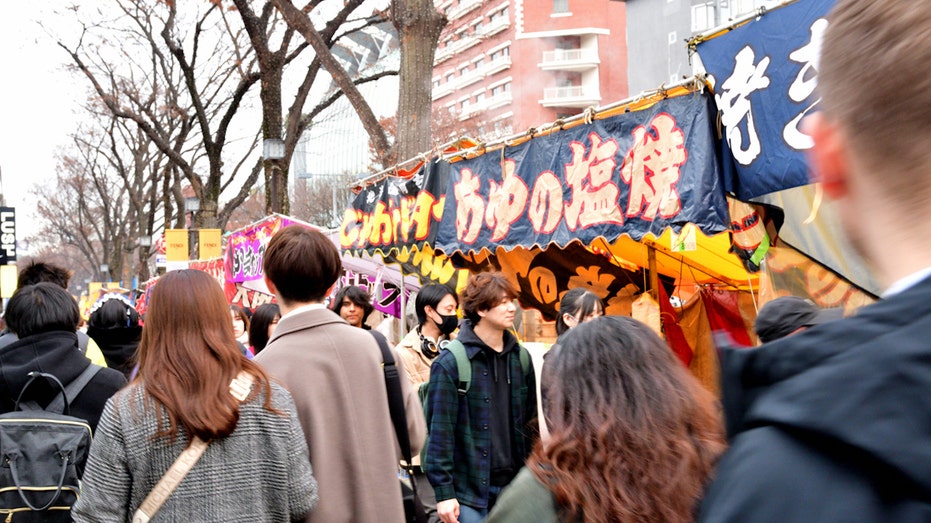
x=633, y=436
x=188, y=356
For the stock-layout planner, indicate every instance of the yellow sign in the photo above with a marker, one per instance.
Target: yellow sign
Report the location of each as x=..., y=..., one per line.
x=7, y=280
x=176, y=245
x=209, y=240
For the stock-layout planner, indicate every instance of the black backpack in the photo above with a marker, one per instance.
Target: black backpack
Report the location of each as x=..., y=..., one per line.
x=42, y=454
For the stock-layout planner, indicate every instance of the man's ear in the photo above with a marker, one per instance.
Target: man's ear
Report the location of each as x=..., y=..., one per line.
x=828, y=158
x=269, y=284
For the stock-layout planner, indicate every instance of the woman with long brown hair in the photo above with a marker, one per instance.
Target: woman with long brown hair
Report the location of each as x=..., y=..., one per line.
x=256, y=465
x=633, y=436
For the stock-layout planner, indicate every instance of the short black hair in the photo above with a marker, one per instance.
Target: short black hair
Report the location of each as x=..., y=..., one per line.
x=356, y=295
x=431, y=295
x=37, y=272
x=42, y=307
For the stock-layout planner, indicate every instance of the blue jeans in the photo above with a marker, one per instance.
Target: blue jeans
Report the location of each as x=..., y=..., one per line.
x=476, y=515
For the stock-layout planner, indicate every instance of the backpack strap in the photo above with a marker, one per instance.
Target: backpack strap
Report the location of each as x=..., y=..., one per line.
x=74, y=388
x=463, y=365
x=524, y=360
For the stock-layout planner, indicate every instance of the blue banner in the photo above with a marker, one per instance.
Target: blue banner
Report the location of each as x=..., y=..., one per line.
x=634, y=173
x=764, y=75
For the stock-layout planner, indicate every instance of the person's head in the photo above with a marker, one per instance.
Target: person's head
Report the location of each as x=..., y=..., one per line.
x=578, y=306
x=240, y=320
x=489, y=298
x=37, y=272
x=437, y=304
x=872, y=145
x=264, y=320
x=113, y=311
x=788, y=315
x=628, y=426
x=188, y=355
x=43, y=307
x=301, y=265
x=353, y=305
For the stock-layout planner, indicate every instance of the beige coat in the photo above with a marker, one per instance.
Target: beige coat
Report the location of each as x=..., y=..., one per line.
x=334, y=373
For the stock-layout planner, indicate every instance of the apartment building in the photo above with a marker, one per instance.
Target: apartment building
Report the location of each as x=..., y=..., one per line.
x=503, y=66
x=657, y=32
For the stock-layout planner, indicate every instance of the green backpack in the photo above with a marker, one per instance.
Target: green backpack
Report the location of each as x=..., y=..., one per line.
x=464, y=367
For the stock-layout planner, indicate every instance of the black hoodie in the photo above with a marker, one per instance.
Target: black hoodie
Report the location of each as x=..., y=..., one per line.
x=56, y=353
x=832, y=424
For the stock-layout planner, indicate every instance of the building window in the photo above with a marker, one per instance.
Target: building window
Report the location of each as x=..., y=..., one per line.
x=479, y=63
x=450, y=77
x=479, y=98
x=500, y=53
x=703, y=17
x=560, y=6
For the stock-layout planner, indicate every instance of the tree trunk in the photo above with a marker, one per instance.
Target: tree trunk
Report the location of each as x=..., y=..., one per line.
x=419, y=25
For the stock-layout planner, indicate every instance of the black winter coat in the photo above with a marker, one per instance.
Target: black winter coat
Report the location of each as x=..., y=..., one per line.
x=832, y=424
x=55, y=353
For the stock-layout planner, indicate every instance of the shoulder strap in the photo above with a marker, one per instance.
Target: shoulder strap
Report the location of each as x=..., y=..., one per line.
x=395, y=399
x=463, y=365
x=74, y=388
x=239, y=388
x=524, y=360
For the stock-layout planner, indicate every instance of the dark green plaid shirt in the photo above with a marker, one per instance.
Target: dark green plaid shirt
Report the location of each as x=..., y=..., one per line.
x=458, y=453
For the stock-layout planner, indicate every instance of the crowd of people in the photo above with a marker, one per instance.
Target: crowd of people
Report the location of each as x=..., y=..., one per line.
x=200, y=412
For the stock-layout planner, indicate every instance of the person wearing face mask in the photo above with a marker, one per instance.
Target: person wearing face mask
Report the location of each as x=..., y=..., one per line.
x=435, y=306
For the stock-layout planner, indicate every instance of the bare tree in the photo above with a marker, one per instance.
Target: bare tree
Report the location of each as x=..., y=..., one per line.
x=261, y=28
x=190, y=75
x=322, y=200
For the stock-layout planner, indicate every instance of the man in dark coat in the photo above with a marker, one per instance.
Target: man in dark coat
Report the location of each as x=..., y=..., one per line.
x=44, y=317
x=832, y=424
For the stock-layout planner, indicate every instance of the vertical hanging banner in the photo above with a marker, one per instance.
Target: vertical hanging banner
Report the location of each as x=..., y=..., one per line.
x=636, y=173
x=7, y=235
x=764, y=74
x=176, y=245
x=209, y=243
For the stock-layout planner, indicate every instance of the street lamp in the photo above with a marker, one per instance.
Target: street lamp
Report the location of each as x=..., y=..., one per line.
x=273, y=150
x=145, y=241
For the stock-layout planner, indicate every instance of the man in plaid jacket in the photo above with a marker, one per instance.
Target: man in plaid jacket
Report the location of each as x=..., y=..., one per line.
x=478, y=441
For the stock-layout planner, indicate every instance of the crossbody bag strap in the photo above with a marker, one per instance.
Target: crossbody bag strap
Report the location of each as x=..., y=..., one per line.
x=239, y=388
x=395, y=398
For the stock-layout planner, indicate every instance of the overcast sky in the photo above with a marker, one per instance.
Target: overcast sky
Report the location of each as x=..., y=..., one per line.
x=38, y=101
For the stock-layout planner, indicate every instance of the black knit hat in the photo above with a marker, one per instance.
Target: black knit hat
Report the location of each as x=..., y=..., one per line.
x=783, y=316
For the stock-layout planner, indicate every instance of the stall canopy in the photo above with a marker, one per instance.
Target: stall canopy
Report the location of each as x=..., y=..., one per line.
x=595, y=203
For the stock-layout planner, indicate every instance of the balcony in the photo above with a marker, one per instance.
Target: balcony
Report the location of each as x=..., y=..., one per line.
x=498, y=100
x=576, y=96
x=464, y=7
x=496, y=66
x=443, y=90
x=463, y=43
x=496, y=26
x=569, y=60
x=443, y=54
x=475, y=75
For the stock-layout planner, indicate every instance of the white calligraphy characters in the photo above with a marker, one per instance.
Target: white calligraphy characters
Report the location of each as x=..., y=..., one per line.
x=735, y=106
x=803, y=87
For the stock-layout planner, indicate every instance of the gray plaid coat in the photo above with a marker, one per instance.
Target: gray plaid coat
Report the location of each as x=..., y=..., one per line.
x=261, y=472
